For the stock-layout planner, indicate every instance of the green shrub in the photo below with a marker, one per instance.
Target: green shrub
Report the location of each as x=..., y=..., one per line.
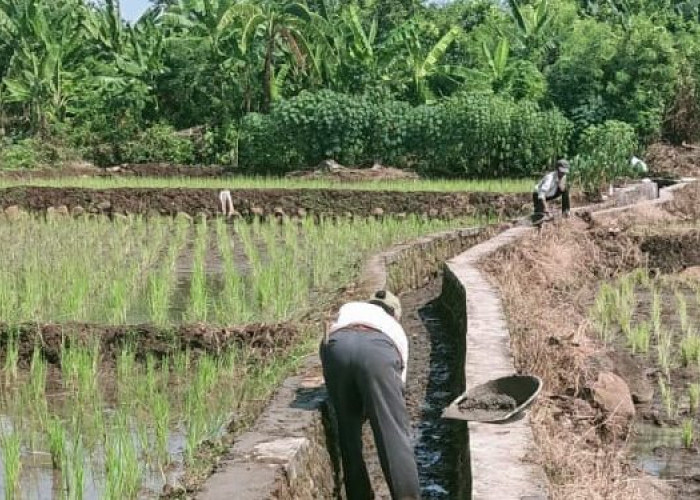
x=472, y=135
x=21, y=154
x=220, y=146
x=34, y=153
x=603, y=154
x=158, y=144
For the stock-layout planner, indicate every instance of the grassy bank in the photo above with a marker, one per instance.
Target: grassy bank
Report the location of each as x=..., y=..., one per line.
x=491, y=186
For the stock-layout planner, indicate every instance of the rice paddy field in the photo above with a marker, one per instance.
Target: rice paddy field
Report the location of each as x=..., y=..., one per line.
x=88, y=182
x=86, y=413
x=657, y=319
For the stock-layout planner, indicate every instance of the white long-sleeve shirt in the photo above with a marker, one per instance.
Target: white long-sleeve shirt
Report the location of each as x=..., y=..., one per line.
x=548, y=186
x=364, y=313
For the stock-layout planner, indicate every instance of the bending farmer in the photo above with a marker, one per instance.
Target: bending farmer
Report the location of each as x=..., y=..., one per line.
x=364, y=363
x=552, y=186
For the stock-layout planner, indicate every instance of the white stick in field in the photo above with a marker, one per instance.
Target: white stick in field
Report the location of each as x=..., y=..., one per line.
x=226, y=202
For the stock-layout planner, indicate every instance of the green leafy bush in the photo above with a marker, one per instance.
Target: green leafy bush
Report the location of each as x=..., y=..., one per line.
x=603, y=154
x=34, y=153
x=474, y=135
x=158, y=144
x=21, y=154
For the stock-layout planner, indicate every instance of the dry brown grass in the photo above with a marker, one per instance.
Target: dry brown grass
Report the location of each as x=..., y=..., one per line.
x=547, y=281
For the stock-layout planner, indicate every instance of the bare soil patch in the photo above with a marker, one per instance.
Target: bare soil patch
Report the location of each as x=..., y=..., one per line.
x=333, y=171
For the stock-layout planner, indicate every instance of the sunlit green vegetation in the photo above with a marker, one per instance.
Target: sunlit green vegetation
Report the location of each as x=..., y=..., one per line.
x=233, y=183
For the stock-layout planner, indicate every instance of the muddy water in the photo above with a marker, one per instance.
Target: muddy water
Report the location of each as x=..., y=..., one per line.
x=38, y=479
x=433, y=357
x=659, y=451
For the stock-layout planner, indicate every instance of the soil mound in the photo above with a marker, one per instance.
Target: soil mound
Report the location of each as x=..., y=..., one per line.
x=332, y=170
x=666, y=160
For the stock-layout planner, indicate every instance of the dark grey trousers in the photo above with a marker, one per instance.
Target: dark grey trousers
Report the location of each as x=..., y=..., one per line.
x=363, y=377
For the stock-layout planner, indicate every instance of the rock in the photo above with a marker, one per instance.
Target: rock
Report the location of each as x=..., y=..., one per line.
x=62, y=210
x=401, y=215
x=433, y=212
x=113, y=169
x=183, y=216
x=50, y=212
x=625, y=366
x=279, y=212
x=104, y=205
x=301, y=212
x=77, y=211
x=634, y=375
x=174, y=490
x=348, y=215
x=257, y=211
x=377, y=212
x=152, y=213
x=612, y=395
x=13, y=212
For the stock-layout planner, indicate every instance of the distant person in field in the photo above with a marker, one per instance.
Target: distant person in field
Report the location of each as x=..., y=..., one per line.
x=364, y=357
x=552, y=186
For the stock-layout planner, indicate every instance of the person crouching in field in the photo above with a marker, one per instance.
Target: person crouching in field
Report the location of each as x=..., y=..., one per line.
x=364, y=357
x=552, y=186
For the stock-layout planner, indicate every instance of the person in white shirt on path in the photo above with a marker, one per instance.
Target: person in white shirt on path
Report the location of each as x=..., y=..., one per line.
x=552, y=186
x=364, y=358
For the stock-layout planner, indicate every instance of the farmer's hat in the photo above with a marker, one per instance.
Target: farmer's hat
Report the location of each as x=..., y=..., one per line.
x=563, y=166
x=387, y=301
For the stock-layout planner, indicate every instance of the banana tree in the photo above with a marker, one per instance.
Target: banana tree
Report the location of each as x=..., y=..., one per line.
x=279, y=29
x=423, y=64
x=497, y=60
x=46, y=39
x=532, y=23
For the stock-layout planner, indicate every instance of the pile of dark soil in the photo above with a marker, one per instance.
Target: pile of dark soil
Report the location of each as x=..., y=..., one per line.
x=488, y=405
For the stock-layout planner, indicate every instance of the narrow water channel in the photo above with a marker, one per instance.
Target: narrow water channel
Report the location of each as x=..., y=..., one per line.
x=432, y=383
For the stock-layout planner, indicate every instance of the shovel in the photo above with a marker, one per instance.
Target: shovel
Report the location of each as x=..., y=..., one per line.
x=498, y=400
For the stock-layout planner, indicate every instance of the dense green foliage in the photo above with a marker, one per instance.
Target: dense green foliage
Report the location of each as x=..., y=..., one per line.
x=472, y=87
x=476, y=135
x=604, y=153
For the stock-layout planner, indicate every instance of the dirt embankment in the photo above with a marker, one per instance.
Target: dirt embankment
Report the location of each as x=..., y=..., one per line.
x=262, y=339
x=266, y=202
